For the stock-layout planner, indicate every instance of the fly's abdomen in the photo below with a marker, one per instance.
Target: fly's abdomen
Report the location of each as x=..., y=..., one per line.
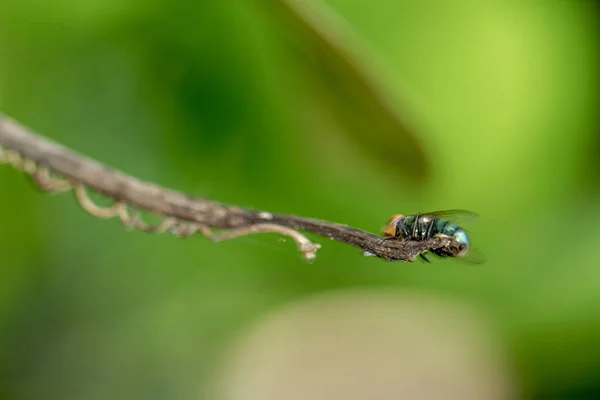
x=447, y=228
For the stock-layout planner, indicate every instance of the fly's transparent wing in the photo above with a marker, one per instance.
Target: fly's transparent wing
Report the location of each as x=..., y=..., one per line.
x=473, y=257
x=460, y=217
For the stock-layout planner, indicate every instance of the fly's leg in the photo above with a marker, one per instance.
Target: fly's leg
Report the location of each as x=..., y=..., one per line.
x=400, y=224
x=430, y=228
x=387, y=238
x=416, y=227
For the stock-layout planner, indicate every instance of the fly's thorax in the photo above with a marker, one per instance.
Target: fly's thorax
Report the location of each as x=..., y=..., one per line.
x=409, y=222
x=426, y=225
x=418, y=226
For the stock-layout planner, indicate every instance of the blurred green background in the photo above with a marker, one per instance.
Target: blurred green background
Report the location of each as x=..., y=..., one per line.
x=235, y=102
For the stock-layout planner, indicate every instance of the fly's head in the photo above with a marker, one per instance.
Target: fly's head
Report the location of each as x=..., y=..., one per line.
x=392, y=228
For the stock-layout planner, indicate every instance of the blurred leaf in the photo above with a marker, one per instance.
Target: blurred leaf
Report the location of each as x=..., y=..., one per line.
x=345, y=86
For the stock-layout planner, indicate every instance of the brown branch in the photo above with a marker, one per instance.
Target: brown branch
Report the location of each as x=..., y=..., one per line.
x=56, y=168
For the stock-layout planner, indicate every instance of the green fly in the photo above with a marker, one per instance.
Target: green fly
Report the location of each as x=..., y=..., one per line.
x=424, y=226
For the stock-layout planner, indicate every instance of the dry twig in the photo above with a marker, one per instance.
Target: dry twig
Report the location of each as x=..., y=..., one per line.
x=55, y=168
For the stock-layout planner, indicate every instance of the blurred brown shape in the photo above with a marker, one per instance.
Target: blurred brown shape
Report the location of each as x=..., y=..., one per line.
x=367, y=345
x=337, y=65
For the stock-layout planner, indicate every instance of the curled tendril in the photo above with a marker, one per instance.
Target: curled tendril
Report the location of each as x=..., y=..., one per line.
x=50, y=182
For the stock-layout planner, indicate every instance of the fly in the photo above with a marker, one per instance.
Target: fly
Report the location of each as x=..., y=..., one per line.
x=424, y=226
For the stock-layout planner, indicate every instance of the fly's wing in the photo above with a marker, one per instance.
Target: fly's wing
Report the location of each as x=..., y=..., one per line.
x=473, y=257
x=460, y=217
